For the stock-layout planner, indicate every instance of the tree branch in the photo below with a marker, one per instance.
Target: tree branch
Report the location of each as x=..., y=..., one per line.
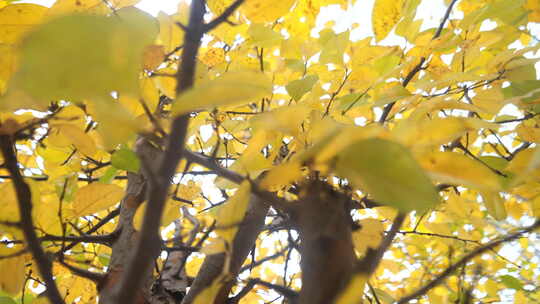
x=149, y=244
x=373, y=257
x=24, y=200
x=388, y=108
x=464, y=260
x=223, y=17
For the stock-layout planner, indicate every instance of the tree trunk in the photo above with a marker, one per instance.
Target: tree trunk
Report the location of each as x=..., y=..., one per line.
x=212, y=266
x=327, y=251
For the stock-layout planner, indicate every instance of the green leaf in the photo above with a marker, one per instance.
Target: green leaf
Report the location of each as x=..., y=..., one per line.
x=108, y=176
x=511, y=282
x=523, y=88
x=263, y=36
x=387, y=171
x=229, y=89
x=297, y=88
x=6, y=300
x=58, y=63
x=334, y=48
x=349, y=101
x=125, y=159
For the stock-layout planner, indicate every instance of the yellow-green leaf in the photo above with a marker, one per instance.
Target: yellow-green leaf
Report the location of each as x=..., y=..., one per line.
x=232, y=213
x=263, y=36
x=125, y=159
x=458, y=169
x=229, y=89
x=96, y=197
x=57, y=64
x=387, y=171
x=385, y=15
x=63, y=7
x=494, y=205
x=297, y=88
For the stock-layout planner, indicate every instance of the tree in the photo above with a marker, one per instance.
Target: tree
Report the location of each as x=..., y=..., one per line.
x=240, y=153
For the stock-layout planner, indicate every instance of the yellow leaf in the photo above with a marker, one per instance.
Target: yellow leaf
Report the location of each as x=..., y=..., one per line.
x=525, y=165
x=149, y=93
x=265, y=11
x=494, y=205
x=390, y=94
x=297, y=88
x=533, y=6
x=62, y=7
x=170, y=34
x=213, y=56
x=190, y=191
x=353, y=293
x=286, y=119
x=535, y=206
x=63, y=135
x=13, y=277
x=528, y=133
x=458, y=169
x=17, y=19
x=7, y=65
x=385, y=15
x=153, y=56
x=123, y=3
x=230, y=215
x=57, y=64
x=209, y=293
x=170, y=213
x=166, y=82
x=115, y=124
x=388, y=171
x=282, y=175
x=437, y=131
x=96, y=197
x=229, y=89
x=218, y=6
x=263, y=36
x=216, y=246
x=368, y=236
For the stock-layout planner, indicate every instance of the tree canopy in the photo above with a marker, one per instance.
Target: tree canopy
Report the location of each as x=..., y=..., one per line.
x=245, y=151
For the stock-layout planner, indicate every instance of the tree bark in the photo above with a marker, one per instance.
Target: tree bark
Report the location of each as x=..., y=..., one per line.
x=326, y=248
x=122, y=249
x=212, y=266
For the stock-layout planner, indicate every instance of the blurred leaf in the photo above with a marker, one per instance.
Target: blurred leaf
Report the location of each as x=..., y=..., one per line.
x=511, y=282
x=297, y=88
x=387, y=171
x=228, y=89
x=385, y=15
x=52, y=66
x=126, y=159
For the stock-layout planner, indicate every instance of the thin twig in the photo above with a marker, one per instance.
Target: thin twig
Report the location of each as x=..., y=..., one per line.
x=464, y=260
x=418, y=67
x=24, y=200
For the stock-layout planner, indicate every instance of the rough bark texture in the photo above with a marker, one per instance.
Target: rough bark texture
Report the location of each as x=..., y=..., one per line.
x=212, y=266
x=326, y=245
x=124, y=245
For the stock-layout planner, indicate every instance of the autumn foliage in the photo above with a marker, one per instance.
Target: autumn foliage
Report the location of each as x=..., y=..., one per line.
x=248, y=152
